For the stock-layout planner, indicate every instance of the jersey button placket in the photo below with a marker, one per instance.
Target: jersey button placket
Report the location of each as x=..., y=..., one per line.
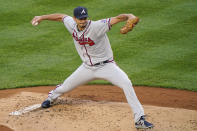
x=83, y=51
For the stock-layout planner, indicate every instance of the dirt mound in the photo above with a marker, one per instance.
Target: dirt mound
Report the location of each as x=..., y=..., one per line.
x=147, y=95
x=74, y=114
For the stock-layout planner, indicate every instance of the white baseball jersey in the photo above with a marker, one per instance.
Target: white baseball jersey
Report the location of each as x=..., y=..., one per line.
x=92, y=43
x=93, y=46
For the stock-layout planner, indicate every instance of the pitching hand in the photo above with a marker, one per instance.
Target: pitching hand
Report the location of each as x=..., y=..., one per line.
x=36, y=20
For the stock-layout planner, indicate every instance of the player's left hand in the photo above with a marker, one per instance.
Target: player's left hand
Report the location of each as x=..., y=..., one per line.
x=130, y=24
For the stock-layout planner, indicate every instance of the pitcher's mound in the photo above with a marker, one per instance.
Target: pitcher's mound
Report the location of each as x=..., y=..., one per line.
x=71, y=114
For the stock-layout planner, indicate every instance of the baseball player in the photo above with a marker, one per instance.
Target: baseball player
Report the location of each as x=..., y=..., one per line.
x=93, y=47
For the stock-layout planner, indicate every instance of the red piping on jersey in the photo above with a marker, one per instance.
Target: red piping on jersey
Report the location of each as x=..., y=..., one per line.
x=87, y=28
x=109, y=23
x=88, y=55
x=64, y=17
x=75, y=31
x=111, y=60
x=55, y=88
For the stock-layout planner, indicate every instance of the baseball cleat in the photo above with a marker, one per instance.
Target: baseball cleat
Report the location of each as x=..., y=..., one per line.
x=143, y=124
x=46, y=104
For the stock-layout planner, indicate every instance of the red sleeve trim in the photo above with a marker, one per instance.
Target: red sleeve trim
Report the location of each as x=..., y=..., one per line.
x=109, y=25
x=63, y=18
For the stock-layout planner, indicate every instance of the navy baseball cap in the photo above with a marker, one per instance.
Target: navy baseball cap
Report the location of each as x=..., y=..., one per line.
x=80, y=12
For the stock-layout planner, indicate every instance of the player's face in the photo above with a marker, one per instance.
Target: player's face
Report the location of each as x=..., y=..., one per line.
x=81, y=23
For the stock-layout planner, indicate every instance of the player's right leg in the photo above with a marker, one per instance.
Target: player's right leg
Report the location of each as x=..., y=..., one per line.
x=112, y=73
x=81, y=76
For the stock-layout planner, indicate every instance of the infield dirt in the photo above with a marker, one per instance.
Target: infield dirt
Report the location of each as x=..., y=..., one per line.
x=98, y=107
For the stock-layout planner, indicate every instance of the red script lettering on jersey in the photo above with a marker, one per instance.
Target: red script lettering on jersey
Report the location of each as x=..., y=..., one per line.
x=83, y=40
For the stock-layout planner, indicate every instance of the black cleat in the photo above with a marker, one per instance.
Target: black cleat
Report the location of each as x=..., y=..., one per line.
x=143, y=124
x=46, y=104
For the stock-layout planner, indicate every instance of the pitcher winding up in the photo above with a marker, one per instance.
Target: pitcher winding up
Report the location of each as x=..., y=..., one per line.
x=94, y=49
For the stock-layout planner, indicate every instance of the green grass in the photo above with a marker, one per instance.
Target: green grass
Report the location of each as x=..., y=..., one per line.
x=161, y=51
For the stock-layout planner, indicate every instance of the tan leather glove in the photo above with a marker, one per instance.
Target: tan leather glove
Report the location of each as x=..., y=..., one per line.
x=129, y=25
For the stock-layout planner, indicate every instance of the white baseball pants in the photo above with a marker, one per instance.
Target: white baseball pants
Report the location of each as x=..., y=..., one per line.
x=110, y=72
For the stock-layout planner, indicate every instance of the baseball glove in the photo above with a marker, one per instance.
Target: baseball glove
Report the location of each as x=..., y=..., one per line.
x=129, y=25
